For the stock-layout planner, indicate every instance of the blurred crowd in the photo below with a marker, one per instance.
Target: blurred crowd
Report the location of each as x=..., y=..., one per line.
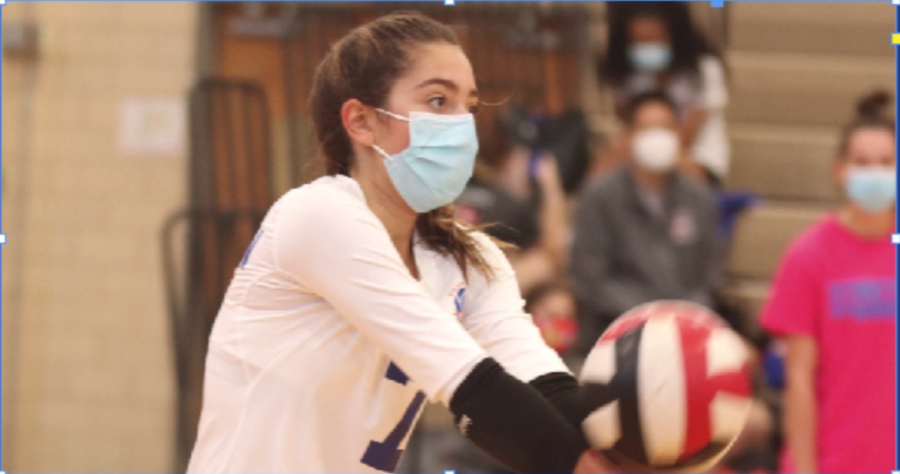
x=646, y=217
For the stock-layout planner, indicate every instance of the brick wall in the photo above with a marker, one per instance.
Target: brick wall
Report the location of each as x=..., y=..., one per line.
x=87, y=368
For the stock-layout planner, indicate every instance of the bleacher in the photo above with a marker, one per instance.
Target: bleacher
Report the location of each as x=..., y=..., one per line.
x=796, y=72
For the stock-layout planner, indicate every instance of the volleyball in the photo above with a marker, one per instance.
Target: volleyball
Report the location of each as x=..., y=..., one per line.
x=670, y=388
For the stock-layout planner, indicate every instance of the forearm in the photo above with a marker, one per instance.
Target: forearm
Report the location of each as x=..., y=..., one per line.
x=800, y=427
x=512, y=422
x=563, y=392
x=554, y=226
x=532, y=268
x=691, y=127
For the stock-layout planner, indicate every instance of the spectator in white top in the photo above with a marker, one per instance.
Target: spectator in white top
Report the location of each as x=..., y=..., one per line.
x=655, y=46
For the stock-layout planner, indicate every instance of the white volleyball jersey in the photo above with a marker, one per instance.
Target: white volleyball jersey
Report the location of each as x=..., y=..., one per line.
x=326, y=348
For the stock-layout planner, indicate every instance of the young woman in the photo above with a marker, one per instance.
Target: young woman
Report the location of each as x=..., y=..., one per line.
x=361, y=296
x=655, y=46
x=833, y=304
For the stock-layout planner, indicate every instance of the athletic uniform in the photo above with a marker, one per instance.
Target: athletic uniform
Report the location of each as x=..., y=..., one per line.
x=326, y=348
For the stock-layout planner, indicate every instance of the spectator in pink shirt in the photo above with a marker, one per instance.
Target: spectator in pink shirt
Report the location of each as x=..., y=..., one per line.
x=833, y=304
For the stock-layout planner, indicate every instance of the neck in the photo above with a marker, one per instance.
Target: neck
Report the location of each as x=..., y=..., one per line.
x=649, y=180
x=397, y=217
x=866, y=225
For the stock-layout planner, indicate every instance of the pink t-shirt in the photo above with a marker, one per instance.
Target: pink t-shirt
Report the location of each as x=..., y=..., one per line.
x=840, y=290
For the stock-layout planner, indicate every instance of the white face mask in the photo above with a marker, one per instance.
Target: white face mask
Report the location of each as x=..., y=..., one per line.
x=872, y=188
x=650, y=57
x=656, y=149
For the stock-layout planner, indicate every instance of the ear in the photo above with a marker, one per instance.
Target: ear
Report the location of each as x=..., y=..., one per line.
x=839, y=171
x=357, y=121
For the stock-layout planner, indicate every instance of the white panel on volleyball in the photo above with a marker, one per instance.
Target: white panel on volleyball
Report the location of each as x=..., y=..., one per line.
x=725, y=352
x=603, y=427
x=661, y=390
x=728, y=414
x=600, y=366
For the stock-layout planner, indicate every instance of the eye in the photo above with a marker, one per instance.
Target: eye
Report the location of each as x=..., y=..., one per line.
x=437, y=101
x=474, y=108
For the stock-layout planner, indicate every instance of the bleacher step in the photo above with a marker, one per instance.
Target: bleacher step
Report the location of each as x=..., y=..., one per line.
x=861, y=29
x=805, y=89
x=784, y=163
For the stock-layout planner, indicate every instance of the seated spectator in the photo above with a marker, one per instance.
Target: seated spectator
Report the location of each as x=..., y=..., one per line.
x=832, y=303
x=521, y=199
x=655, y=46
x=645, y=231
x=553, y=309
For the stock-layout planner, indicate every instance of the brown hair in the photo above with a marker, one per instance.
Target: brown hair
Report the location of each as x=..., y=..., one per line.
x=870, y=114
x=364, y=65
x=541, y=290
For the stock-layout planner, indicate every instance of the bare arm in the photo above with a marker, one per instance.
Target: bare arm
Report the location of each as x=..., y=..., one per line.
x=688, y=132
x=691, y=126
x=547, y=259
x=800, y=401
x=553, y=219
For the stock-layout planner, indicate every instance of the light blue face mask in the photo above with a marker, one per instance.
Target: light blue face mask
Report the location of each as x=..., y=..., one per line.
x=872, y=189
x=434, y=170
x=650, y=57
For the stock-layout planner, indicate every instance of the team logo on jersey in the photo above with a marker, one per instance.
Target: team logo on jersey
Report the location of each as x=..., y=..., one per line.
x=459, y=298
x=683, y=228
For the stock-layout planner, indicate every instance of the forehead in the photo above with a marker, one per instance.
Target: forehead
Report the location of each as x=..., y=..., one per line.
x=556, y=296
x=646, y=25
x=441, y=60
x=654, y=113
x=871, y=141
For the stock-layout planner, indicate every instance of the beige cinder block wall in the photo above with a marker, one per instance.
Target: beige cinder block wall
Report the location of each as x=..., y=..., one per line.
x=86, y=358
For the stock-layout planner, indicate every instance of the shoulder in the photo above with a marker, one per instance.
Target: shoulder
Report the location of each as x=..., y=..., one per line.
x=712, y=72
x=326, y=198
x=493, y=256
x=613, y=182
x=812, y=242
x=328, y=205
x=696, y=189
x=710, y=64
x=811, y=246
x=488, y=248
x=604, y=195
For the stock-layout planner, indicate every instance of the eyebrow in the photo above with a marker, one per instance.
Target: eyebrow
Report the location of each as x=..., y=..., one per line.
x=446, y=83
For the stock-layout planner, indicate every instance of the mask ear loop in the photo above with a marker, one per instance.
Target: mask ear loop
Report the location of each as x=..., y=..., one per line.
x=389, y=114
x=382, y=152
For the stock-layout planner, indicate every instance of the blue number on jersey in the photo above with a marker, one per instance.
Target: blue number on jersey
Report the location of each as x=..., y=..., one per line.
x=385, y=456
x=250, y=248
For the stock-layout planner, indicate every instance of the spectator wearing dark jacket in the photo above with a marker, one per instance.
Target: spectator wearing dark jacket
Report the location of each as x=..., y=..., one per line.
x=645, y=231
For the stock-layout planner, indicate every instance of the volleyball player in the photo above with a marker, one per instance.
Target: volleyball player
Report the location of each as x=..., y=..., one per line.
x=361, y=297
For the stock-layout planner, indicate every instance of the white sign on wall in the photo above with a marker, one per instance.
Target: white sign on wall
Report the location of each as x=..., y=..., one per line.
x=153, y=126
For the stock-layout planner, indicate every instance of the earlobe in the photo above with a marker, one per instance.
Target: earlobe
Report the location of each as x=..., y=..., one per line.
x=356, y=120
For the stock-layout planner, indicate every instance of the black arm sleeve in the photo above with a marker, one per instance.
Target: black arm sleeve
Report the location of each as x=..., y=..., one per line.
x=564, y=393
x=512, y=422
